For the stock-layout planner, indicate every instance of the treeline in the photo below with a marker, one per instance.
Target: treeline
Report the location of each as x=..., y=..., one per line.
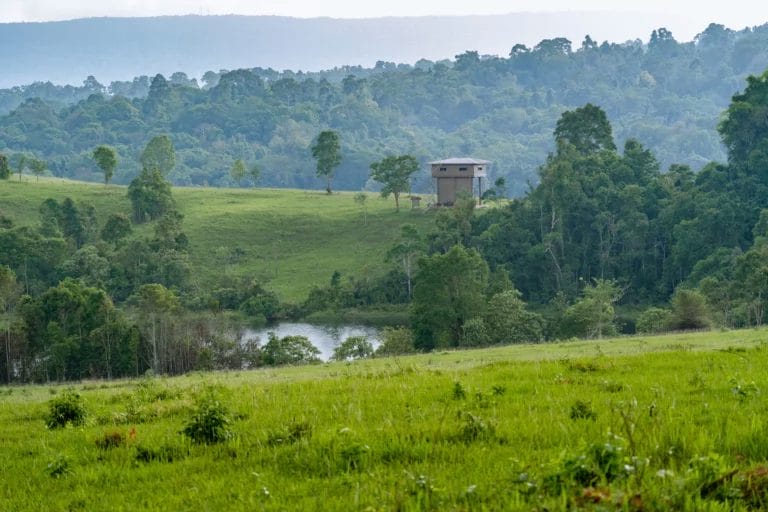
x=666, y=93
x=604, y=230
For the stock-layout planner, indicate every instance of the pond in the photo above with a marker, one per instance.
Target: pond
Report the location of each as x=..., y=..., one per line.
x=324, y=337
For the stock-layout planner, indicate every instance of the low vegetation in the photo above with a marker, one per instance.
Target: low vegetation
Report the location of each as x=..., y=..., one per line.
x=649, y=423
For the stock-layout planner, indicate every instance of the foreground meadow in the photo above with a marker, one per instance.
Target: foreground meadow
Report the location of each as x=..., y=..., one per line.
x=670, y=422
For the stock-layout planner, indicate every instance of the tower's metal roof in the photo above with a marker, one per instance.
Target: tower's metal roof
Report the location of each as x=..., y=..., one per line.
x=460, y=161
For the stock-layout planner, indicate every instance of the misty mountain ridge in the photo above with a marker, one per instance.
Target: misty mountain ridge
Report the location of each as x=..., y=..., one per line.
x=65, y=52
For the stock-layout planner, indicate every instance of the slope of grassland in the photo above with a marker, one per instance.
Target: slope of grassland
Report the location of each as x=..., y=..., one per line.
x=656, y=423
x=290, y=240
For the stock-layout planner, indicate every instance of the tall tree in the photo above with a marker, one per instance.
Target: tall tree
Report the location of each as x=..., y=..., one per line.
x=450, y=289
x=150, y=195
x=38, y=167
x=406, y=252
x=238, y=170
x=106, y=159
x=255, y=173
x=745, y=127
x=5, y=169
x=394, y=173
x=156, y=304
x=9, y=290
x=21, y=164
x=327, y=152
x=586, y=128
x=159, y=155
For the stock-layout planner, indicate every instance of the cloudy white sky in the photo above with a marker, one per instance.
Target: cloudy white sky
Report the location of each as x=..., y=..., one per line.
x=737, y=13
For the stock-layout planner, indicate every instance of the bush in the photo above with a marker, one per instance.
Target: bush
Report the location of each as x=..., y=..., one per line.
x=507, y=320
x=689, y=311
x=396, y=341
x=474, y=333
x=653, y=320
x=354, y=347
x=289, y=350
x=65, y=408
x=210, y=422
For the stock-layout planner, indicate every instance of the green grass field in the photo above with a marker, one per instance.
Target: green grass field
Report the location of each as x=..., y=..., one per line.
x=673, y=422
x=290, y=240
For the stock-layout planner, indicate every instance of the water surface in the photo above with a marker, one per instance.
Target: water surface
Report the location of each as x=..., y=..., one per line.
x=324, y=337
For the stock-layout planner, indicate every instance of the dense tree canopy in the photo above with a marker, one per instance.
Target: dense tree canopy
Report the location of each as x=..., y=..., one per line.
x=667, y=94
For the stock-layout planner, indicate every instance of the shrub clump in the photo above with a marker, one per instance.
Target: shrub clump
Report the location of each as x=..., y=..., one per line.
x=354, y=347
x=396, y=341
x=582, y=410
x=210, y=423
x=653, y=320
x=65, y=408
x=289, y=350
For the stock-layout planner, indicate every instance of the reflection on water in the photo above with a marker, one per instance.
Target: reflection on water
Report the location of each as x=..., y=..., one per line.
x=324, y=337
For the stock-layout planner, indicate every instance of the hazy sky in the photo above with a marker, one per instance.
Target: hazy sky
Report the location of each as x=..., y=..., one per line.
x=684, y=17
x=735, y=12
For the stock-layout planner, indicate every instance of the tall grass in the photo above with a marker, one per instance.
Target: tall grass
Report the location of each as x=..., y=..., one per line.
x=674, y=422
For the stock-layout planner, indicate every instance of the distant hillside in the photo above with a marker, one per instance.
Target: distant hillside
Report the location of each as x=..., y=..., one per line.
x=667, y=94
x=110, y=49
x=289, y=240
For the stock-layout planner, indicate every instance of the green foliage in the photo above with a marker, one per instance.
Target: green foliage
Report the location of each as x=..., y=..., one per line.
x=5, y=169
x=38, y=167
x=293, y=350
x=593, y=315
x=744, y=128
x=394, y=173
x=106, y=159
x=653, y=320
x=582, y=410
x=354, y=347
x=210, y=423
x=150, y=195
x=449, y=291
x=117, y=228
x=159, y=155
x=689, y=310
x=327, y=151
x=59, y=467
x=586, y=128
x=255, y=174
x=238, y=171
x=395, y=341
x=66, y=408
x=507, y=320
x=666, y=92
x=475, y=333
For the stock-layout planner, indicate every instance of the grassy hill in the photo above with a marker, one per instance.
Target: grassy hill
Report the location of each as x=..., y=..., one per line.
x=289, y=239
x=656, y=423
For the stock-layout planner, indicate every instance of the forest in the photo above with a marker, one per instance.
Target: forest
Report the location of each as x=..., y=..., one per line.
x=609, y=240
x=665, y=93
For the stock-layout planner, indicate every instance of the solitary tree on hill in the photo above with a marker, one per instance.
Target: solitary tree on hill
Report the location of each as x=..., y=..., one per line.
x=327, y=152
x=38, y=167
x=394, y=173
x=255, y=173
x=238, y=170
x=159, y=155
x=5, y=169
x=106, y=159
